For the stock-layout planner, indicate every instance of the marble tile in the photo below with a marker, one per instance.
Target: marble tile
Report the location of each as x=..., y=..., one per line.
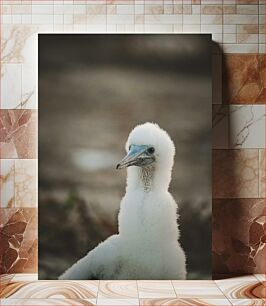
x=243, y=77
x=242, y=289
x=18, y=232
x=238, y=238
x=5, y=279
x=117, y=302
x=117, y=289
x=48, y=302
x=247, y=9
x=247, y=38
x=235, y=173
x=229, y=9
x=220, y=124
x=51, y=290
x=156, y=289
x=19, y=43
x=10, y=85
x=248, y=29
x=240, y=49
x=26, y=188
x=240, y=19
x=7, y=183
x=29, y=86
x=25, y=277
x=18, y=129
x=197, y=289
x=247, y=1
x=247, y=126
x=260, y=277
x=248, y=302
x=211, y=9
x=184, y=302
x=262, y=176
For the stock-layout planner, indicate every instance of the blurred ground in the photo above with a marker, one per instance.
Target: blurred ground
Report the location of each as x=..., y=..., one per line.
x=93, y=89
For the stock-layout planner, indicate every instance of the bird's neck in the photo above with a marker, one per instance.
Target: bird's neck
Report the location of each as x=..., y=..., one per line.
x=148, y=178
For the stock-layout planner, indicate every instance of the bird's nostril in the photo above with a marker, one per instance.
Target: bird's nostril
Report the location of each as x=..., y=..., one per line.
x=117, y=166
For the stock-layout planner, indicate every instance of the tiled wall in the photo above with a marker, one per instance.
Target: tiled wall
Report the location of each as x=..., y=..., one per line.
x=238, y=28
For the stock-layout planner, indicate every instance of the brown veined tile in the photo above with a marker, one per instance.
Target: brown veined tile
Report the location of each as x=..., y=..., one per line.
x=49, y=302
x=239, y=236
x=51, y=290
x=248, y=302
x=262, y=170
x=18, y=235
x=242, y=289
x=184, y=302
x=261, y=277
x=211, y=9
x=235, y=173
x=247, y=1
x=117, y=302
x=18, y=133
x=5, y=279
x=7, y=183
x=26, y=183
x=243, y=79
x=155, y=289
x=118, y=289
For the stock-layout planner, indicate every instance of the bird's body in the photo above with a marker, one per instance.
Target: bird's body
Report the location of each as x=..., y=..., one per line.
x=146, y=246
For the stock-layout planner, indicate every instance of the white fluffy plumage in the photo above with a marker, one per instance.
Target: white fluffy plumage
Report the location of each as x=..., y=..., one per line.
x=147, y=245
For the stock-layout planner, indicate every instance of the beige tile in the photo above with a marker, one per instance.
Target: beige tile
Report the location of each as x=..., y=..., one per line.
x=248, y=29
x=262, y=171
x=240, y=19
x=52, y=290
x=117, y=289
x=155, y=289
x=211, y=19
x=7, y=180
x=229, y=9
x=247, y=9
x=247, y=38
x=183, y=302
x=229, y=38
x=117, y=302
x=211, y=9
x=197, y=289
x=154, y=9
x=26, y=183
x=240, y=48
x=248, y=302
x=260, y=277
x=48, y=302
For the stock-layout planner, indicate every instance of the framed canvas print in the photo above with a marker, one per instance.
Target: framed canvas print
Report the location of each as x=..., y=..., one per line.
x=124, y=156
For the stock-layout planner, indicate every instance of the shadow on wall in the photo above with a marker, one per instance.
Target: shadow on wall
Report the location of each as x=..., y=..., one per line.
x=238, y=225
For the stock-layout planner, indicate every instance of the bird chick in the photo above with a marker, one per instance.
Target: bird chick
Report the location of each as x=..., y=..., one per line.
x=147, y=244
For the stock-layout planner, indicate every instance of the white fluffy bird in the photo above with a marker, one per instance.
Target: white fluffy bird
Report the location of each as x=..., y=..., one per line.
x=146, y=246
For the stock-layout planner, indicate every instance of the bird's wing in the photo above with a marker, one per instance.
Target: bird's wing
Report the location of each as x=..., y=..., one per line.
x=100, y=263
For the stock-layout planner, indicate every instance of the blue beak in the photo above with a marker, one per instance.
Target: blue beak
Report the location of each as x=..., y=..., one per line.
x=137, y=156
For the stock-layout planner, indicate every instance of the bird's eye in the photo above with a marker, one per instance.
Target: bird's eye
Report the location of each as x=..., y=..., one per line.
x=129, y=147
x=151, y=150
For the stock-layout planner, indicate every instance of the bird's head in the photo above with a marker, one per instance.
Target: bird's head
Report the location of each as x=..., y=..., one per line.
x=148, y=144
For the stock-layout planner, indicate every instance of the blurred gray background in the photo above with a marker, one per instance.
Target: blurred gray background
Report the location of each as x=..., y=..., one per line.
x=93, y=89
